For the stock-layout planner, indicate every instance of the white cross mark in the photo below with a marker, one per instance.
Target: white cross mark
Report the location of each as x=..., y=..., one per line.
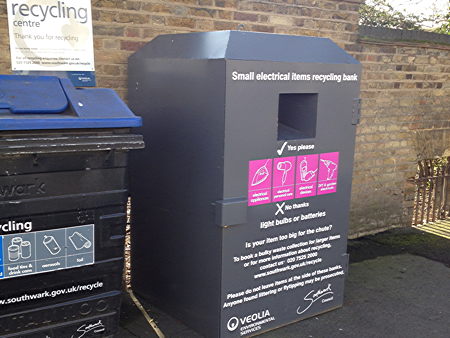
x=280, y=208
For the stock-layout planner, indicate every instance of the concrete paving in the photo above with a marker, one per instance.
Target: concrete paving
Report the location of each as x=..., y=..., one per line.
x=398, y=286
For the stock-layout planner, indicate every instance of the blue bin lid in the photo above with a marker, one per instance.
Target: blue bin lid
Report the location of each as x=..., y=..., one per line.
x=47, y=102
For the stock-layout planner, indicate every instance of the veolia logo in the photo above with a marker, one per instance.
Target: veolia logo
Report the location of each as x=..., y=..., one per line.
x=234, y=322
x=19, y=226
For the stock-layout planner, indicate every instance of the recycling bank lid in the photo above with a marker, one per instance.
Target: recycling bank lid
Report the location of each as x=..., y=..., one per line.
x=47, y=102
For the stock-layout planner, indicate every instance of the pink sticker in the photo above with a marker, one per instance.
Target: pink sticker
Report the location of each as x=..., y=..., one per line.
x=328, y=173
x=259, y=181
x=307, y=174
x=283, y=179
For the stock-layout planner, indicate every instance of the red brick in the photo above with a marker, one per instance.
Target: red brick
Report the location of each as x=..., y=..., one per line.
x=245, y=16
x=261, y=28
x=225, y=15
x=156, y=8
x=133, y=32
x=180, y=22
x=204, y=12
x=131, y=45
x=222, y=25
x=226, y=3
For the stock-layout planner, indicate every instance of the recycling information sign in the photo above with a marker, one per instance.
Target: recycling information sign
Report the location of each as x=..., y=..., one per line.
x=51, y=35
x=44, y=251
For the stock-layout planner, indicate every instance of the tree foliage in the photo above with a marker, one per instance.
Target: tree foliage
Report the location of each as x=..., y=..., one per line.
x=380, y=13
x=444, y=23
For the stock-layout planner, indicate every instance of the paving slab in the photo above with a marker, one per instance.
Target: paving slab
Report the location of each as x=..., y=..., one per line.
x=398, y=286
x=390, y=296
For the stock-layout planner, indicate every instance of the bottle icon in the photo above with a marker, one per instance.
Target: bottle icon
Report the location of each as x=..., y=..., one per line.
x=79, y=241
x=52, y=245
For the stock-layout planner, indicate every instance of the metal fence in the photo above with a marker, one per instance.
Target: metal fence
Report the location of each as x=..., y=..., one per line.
x=432, y=198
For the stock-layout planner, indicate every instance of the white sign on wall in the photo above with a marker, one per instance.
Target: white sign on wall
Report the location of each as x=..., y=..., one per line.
x=51, y=35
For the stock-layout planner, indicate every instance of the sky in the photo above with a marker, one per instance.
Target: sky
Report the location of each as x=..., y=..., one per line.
x=420, y=7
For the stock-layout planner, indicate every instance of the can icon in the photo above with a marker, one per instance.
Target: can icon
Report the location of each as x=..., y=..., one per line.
x=25, y=249
x=17, y=241
x=13, y=252
x=52, y=245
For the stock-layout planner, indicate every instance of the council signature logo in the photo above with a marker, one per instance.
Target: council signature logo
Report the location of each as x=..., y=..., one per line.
x=313, y=296
x=84, y=329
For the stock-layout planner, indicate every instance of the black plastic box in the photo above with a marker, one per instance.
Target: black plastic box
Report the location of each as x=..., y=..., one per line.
x=63, y=195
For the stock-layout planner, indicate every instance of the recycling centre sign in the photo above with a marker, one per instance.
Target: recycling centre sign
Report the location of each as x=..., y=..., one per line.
x=51, y=35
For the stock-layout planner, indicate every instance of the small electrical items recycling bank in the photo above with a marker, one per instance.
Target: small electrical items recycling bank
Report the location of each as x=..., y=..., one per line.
x=63, y=194
x=240, y=207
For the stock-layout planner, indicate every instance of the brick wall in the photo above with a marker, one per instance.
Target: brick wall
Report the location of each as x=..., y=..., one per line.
x=405, y=87
x=405, y=94
x=5, y=62
x=122, y=26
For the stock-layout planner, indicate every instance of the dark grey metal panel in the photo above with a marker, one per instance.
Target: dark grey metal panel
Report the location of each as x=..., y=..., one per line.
x=284, y=48
x=193, y=229
x=238, y=45
x=202, y=45
x=231, y=211
x=176, y=242
x=251, y=134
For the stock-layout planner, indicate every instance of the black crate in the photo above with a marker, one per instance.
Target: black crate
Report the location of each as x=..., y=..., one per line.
x=55, y=184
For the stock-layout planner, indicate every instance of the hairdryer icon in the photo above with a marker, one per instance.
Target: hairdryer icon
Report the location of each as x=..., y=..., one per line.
x=331, y=168
x=284, y=166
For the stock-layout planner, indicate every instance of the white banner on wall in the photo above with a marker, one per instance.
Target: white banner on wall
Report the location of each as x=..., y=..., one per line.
x=51, y=35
